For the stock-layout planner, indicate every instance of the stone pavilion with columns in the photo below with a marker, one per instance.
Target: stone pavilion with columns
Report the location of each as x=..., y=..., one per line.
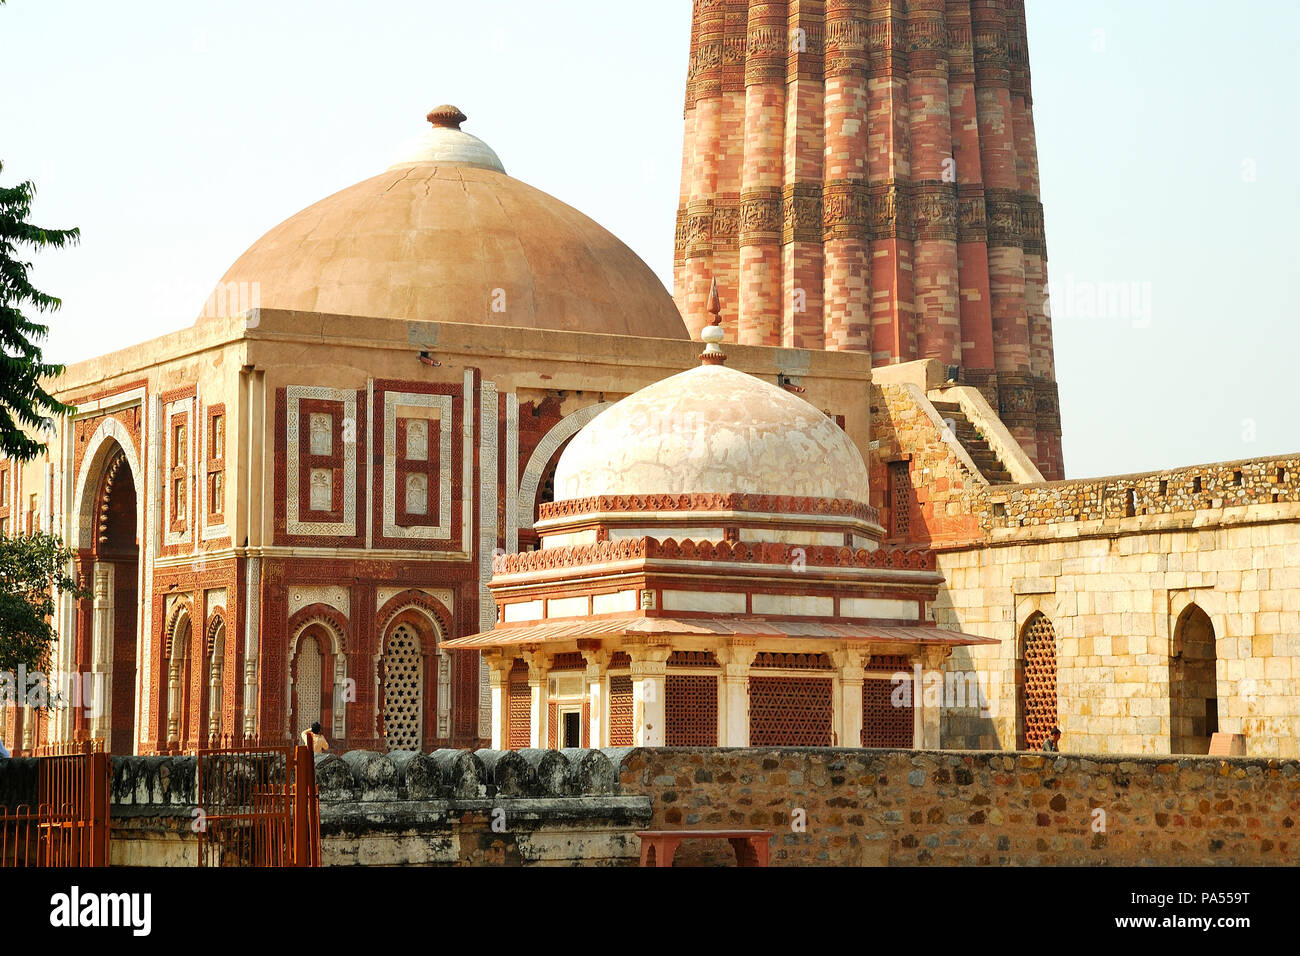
x=710, y=574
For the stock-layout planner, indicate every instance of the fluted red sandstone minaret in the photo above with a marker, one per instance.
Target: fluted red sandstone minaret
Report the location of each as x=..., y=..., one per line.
x=863, y=174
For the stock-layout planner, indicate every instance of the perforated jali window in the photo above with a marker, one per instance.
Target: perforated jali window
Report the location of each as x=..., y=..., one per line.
x=620, y=711
x=900, y=499
x=1038, y=681
x=789, y=712
x=403, y=690
x=692, y=710
x=883, y=723
x=307, y=686
x=519, y=700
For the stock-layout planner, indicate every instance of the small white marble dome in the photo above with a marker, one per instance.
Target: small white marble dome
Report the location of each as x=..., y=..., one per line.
x=712, y=430
x=445, y=143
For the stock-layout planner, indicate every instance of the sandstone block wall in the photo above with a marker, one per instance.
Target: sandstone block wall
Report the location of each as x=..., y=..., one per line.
x=1115, y=603
x=1113, y=563
x=877, y=807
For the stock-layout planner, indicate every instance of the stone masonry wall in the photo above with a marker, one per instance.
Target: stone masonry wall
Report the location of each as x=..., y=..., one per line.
x=1115, y=603
x=1112, y=563
x=877, y=807
x=825, y=807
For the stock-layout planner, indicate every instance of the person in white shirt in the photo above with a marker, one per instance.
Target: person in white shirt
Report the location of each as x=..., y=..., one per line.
x=4, y=751
x=318, y=743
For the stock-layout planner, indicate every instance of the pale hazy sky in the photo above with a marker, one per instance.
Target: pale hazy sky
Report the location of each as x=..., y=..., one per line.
x=175, y=133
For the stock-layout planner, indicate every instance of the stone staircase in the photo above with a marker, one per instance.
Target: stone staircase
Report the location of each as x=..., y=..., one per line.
x=986, y=460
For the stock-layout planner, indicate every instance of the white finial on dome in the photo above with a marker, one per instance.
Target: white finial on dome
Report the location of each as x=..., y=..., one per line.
x=446, y=144
x=712, y=335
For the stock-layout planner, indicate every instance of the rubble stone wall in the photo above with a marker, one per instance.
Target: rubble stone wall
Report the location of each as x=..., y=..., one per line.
x=824, y=807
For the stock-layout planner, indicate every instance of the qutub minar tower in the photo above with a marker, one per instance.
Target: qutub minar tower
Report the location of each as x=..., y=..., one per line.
x=863, y=175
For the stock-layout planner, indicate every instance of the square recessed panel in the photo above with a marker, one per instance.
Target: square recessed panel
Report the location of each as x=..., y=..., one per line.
x=438, y=415
x=176, y=429
x=294, y=426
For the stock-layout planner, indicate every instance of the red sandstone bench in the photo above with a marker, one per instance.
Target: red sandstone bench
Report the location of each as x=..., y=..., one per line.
x=659, y=846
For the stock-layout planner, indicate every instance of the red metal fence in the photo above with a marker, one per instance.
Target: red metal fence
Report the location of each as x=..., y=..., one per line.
x=68, y=825
x=258, y=806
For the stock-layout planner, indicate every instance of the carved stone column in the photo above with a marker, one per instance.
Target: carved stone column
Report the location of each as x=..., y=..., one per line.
x=928, y=707
x=597, y=669
x=649, y=690
x=252, y=619
x=848, y=706
x=539, y=669
x=733, y=708
x=102, y=667
x=499, y=666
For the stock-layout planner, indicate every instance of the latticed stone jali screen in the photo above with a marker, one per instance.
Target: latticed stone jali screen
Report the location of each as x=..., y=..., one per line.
x=620, y=711
x=692, y=710
x=790, y=711
x=886, y=722
x=403, y=690
x=900, y=499
x=518, y=709
x=1038, y=701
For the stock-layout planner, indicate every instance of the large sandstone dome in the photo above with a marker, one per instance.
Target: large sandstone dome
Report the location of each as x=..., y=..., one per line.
x=444, y=235
x=712, y=430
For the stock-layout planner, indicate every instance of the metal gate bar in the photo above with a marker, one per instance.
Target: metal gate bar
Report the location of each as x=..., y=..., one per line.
x=258, y=807
x=70, y=823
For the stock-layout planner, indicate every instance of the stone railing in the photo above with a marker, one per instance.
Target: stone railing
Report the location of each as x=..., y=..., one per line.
x=1259, y=481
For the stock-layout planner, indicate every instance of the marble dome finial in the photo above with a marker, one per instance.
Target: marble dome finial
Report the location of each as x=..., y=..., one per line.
x=444, y=143
x=446, y=117
x=712, y=335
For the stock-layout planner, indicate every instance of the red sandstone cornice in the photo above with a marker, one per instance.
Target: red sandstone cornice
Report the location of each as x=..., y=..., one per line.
x=759, y=553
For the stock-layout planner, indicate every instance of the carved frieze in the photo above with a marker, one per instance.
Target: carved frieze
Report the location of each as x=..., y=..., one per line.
x=1017, y=396
x=845, y=38
x=972, y=218
x=726, y=223
x=891, y=216
x=760, y=215
x=1034, y=238
x=698, y=239
x=934, y=210
x=766, y=44
x=846, y=210
x=1004, y=220
x=801, y=213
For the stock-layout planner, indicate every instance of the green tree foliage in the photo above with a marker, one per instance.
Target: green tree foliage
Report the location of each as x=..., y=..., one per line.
x=32, y=570
x=25, y=405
